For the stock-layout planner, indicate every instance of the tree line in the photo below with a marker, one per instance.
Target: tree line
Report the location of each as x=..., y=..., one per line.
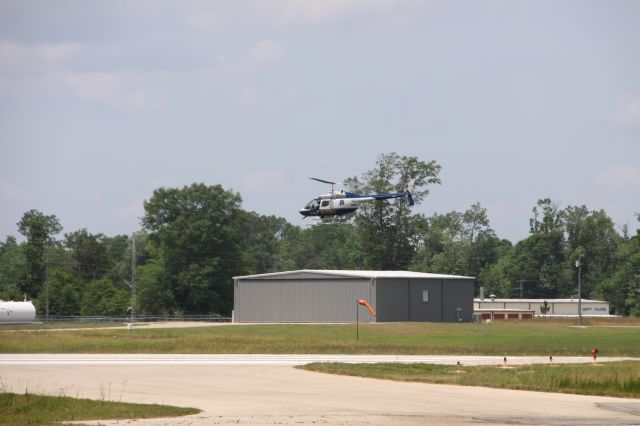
x=194, y=239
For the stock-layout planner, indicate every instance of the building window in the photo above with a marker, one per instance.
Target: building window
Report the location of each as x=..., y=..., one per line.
x=425, y=296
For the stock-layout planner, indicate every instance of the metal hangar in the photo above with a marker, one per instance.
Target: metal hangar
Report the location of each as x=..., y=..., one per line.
x=326, y=296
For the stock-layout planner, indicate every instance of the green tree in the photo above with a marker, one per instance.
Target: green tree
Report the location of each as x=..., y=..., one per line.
x=622, y=288
x=496, y=278
x=118, y=253
x=320, y=247
x=591, y=236
x=89, y=253
x=386, y=229
x=480, y=241
x=436, y=234
x=545, y=308
x=39, y=229
x=460, y=243
x=547, y=218
x=540, y=259
x=263, y=238
x=154, y=293
x=198, y=232
x=12, y=269
x=65, y=293
x=101, y=297
x=291, y=253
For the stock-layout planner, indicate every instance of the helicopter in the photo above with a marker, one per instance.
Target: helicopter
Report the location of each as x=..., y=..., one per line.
x=339, y=203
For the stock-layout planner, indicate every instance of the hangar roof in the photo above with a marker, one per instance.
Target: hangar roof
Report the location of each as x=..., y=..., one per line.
x=357, y=274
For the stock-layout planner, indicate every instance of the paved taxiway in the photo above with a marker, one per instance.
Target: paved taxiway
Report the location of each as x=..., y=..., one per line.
x=256, y=389
x=270, y=359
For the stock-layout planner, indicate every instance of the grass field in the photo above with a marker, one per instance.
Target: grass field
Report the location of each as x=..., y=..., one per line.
x=621, y=379
x=540, y=337
x=30, y=409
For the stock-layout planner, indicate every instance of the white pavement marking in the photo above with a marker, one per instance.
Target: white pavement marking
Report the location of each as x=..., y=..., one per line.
x=283, y=360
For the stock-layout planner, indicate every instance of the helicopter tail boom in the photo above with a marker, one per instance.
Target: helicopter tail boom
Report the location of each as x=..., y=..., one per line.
x=407, y=194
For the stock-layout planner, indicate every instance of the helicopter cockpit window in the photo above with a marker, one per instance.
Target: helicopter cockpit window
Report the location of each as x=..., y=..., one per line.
x=312, y=204
x=325, y=203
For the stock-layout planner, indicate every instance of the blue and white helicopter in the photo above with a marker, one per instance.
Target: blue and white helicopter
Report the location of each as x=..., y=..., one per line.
x=339, y=203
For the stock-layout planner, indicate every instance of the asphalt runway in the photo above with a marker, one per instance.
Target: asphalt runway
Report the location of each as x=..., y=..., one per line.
x=254, y=390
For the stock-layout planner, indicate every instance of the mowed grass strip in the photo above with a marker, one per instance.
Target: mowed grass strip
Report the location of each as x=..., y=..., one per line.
x=507, y=338
x=31, y=409
x=620, y=379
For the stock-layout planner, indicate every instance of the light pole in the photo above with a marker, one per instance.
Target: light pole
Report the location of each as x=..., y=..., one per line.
x=579, y=266
x=46, y=281
x=132, y=284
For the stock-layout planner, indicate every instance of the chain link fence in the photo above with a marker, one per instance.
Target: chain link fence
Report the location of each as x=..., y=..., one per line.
x=127, y=319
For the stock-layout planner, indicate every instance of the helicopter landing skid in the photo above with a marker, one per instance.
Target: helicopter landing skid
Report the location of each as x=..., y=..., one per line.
x=333, y=220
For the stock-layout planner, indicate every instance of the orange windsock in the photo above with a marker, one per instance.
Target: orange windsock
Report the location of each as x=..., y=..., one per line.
x=367, y=305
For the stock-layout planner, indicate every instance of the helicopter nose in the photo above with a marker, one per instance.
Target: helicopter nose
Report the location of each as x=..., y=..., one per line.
x=304, y=212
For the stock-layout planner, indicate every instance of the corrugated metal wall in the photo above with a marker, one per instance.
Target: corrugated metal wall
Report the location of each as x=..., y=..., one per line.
x=458, y=294
x=401, y=299
x=430, y=311
x=302, y=299
x=392, y=299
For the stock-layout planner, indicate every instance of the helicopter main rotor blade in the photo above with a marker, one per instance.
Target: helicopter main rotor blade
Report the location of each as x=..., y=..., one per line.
x=324, y=181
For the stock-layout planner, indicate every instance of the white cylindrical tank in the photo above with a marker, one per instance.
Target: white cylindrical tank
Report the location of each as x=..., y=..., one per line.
x=17, y=311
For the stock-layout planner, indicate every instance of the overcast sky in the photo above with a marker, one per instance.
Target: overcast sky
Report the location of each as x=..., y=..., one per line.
x=101, y=102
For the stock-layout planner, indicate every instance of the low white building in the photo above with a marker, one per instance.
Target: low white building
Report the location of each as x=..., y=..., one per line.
x=557, y=307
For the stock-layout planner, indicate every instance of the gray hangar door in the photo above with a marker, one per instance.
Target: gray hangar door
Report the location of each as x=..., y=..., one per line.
x=409, y=299
x=302, y=300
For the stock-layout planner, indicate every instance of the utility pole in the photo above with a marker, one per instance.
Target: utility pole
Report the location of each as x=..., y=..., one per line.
x=46, y=281
x=579, y=266
x=521, y=282
x=133, y=280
